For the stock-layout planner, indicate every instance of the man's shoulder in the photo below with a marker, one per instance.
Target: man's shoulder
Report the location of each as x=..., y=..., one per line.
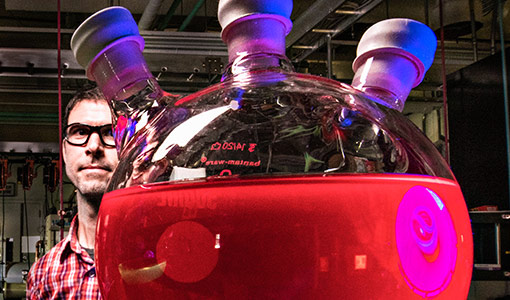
x=43, y=270
x=51, y=259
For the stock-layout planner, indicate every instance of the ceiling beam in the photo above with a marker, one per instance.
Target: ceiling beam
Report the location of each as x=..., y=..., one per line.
x=347, y=21
x=310, y=18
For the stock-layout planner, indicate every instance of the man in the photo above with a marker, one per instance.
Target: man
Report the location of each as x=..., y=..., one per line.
x=67, y=271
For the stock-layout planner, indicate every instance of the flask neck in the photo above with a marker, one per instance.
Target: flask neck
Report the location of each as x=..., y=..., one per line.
x=256, y=42
x=246, y=64
x=120, y=71
x=123, y=76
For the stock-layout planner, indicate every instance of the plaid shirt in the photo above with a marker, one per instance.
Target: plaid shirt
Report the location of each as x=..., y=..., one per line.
x=66, y=272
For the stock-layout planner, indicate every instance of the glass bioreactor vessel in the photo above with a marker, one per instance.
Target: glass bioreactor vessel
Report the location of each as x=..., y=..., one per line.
x=274, y=184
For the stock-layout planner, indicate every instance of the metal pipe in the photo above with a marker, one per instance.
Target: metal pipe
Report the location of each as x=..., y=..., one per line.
x=21, y=229
x=330, y=63
x=439, y=132
x=169, y=14
x=494, y=23
x=27, y=115
x=302, y=47
x=34, y=30
x=60, y=134
x=149, y=14
x=347, y=12
x=505, y=86
x=344, y=42
x=34, y=91
x=2, y=261
x=473, y=29
x=330, y=31
x=192, y=14
x=445, y=92
x=26, y=225
x=426, y=12
x=29, y=118
x=424, y=124
x=27, y=104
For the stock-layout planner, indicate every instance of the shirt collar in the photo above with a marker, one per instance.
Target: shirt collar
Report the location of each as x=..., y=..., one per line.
x=71, y=243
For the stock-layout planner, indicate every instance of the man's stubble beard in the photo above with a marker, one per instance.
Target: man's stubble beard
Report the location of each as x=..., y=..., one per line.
x=92, y=190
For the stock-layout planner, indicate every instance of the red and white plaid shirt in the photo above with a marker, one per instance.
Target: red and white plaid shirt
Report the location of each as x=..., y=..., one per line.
x=66, y=272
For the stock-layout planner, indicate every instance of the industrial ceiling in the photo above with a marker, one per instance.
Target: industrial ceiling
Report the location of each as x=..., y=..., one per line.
x=184, y=49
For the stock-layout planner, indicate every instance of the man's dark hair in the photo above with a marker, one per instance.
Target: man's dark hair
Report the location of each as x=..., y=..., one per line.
x=88, y=91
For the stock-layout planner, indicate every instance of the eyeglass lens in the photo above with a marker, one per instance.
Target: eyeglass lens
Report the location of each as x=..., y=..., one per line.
x=79, y=134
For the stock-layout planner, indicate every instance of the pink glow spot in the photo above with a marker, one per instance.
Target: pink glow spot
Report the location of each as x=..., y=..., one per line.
x=426, y=242
x=188, y=250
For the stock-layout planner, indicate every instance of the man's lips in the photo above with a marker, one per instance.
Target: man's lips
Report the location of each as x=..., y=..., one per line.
x=95, y=167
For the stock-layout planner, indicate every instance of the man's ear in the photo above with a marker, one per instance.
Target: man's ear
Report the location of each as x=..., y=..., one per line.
x=64, y=152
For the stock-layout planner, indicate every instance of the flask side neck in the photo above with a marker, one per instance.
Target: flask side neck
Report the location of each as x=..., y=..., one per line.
x=387, y=74
x=120, y=70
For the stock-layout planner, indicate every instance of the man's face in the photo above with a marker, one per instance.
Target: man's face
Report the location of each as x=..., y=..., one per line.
x=90, y=166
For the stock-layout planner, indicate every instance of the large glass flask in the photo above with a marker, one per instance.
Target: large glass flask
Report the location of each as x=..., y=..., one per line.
x=279, y=185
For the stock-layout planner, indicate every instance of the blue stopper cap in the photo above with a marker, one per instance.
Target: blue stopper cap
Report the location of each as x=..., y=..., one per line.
x=404, y=34
x=100, y=30
x=231, y=10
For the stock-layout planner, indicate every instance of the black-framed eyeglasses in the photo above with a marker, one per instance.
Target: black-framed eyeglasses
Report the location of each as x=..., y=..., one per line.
x=78, y=134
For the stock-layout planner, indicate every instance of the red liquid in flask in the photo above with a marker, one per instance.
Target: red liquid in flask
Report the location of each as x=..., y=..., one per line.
x=383, y=236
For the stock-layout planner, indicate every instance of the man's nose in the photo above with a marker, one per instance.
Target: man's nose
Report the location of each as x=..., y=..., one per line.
x=94, y=142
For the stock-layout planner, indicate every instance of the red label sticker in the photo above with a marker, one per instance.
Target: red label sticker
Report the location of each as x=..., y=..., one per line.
x=232, y=146
x=232, y=162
